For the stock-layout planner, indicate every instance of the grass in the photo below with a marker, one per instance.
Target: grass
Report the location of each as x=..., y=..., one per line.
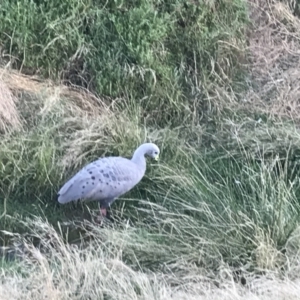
x=201, y=212
x=111, y=266
x=216, y=218
x=10, y=119
x=148, y=52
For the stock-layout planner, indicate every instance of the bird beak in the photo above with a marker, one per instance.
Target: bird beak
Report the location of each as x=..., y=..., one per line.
x=156, y=157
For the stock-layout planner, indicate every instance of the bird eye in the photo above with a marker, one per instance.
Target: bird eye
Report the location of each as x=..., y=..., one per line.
x=155, y=152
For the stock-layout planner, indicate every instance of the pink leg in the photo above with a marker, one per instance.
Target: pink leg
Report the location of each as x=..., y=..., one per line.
x=102, y=216
x=103, y=212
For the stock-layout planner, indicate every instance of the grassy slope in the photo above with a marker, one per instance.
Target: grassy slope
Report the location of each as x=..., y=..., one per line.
x=221, y=204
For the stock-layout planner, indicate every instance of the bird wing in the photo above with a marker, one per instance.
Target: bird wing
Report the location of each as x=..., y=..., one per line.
x=103, y=179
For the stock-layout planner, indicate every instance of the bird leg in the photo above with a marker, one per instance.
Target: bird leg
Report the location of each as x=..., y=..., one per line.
x=103, y=211
x=102, y=216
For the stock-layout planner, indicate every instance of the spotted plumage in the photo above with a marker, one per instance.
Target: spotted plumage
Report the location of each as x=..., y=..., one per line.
x=108, y=178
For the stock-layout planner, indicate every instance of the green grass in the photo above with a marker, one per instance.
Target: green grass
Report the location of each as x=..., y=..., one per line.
x=225, y=198
x=222, y=204
x=150, y=52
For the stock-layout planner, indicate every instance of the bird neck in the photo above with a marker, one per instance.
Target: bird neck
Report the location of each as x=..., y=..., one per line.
x=139, y=157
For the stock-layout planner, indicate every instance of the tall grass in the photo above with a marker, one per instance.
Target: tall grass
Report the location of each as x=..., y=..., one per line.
x=171, y=259
x=217, y=216
x=221, y=204
x=161, y=54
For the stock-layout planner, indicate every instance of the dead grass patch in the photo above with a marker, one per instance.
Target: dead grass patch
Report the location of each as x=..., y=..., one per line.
x=274, y=43
x=9, y=116
x=80, y=100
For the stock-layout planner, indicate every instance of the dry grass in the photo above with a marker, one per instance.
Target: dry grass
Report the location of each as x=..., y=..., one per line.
x=270, y=107
x=9, y=116
x=79, y=99
x=96, y=270
x=274, y=43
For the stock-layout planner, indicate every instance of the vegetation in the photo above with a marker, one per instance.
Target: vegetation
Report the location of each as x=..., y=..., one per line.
x=215, y=84
x=147, y=52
